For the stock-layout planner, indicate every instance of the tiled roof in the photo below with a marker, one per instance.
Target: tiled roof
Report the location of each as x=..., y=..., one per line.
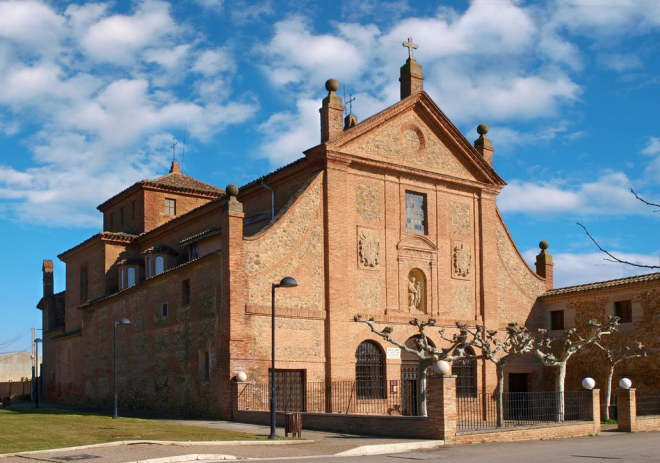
x=603, y=284
x=117, y=236
x=160, y=248
x=197, y=236
x=173, y=181
x=177, y=181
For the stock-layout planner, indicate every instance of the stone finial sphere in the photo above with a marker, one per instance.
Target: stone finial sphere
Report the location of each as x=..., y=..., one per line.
x=241, y=377
x=232, y=190
x=588, y=383
x=544, y=245
x=625, y=383
x=332, y=85
x=482, y=129
x=442, y=367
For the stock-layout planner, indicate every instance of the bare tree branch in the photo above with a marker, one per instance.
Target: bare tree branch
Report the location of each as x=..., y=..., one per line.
x=645, y=201
x=613, y=257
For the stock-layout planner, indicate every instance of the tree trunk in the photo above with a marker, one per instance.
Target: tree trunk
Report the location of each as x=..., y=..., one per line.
x=608, y=391
x=422, y=388
x=561, y=378
x=500, y=394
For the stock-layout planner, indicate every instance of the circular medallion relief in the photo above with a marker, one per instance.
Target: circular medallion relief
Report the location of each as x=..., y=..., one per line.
x=412, y=140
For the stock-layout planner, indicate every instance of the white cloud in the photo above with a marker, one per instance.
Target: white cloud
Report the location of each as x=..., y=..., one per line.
x=118, y=38
x=99, y=131
x=31, y=24
x=652, y=147
x=286, y=144
x=588, y=267
x=607, y=195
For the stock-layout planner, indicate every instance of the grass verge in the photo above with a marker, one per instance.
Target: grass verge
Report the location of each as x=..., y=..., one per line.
x=27, y=429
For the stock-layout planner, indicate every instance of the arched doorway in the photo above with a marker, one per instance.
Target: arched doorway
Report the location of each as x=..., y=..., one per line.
x=370, y=371
x=410, y=378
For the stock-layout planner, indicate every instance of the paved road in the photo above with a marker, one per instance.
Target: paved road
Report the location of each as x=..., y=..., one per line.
x=628, y=448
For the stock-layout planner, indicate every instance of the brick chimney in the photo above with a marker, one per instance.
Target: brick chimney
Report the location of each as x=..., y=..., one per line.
x=332, y=113
x=47, y=270
x=175, y=168
x=412, y=78
x=544, y=265
x=484, y=145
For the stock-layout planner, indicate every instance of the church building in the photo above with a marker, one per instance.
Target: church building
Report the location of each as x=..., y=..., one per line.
x=392, y=217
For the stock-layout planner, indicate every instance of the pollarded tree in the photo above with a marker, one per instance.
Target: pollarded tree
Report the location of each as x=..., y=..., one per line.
x=517, y=341
x=425, y=351
x=555, y=352
x=617, y=354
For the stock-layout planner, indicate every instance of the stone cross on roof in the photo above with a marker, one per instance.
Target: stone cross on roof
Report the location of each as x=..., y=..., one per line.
x=410, y=46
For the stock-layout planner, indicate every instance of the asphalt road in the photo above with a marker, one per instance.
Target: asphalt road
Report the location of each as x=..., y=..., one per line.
x=609, y=447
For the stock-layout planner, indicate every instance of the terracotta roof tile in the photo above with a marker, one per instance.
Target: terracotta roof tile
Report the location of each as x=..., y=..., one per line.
x=603, y=284
x=183, y=182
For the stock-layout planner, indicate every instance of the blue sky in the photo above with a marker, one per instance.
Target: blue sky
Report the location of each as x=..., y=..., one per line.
x=91, y=95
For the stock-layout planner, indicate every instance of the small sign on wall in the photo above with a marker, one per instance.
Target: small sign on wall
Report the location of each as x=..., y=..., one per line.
x=393, y=353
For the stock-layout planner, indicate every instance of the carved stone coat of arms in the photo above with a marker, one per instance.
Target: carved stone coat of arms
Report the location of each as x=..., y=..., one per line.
x=462, y=260
x=368, y=247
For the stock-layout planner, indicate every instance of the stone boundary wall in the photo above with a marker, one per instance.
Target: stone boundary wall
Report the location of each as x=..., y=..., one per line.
x=379, y=425
x=550, y=431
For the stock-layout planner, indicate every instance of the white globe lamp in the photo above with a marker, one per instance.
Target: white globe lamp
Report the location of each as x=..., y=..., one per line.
x=241, y=377
x=442, y=367
x=588, y=383
x=625, y=383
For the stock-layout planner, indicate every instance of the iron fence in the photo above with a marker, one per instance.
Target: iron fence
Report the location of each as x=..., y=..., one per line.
x=348, y=397
x=648, y=403
x=479, y=411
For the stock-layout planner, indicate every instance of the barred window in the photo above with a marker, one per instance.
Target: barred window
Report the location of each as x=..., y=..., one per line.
x=415, y=213
x=370, y=371
x=466, y=373
x=623, y=310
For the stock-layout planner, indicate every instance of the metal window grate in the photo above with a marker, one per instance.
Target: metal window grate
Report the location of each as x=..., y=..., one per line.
x=369, y=371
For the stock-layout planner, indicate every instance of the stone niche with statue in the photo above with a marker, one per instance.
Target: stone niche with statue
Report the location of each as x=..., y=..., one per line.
x=418, y=274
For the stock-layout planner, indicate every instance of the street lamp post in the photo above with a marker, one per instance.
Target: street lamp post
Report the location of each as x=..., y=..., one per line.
x=121, y=321
x=286, y=282
x=36, y=391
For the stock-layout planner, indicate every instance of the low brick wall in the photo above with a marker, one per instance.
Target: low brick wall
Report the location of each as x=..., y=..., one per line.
x=14, y=388
x=378, y=425
x=647, y=423
x=550, y=431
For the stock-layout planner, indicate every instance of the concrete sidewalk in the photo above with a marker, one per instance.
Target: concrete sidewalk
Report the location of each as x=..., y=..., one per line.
x=313, y=444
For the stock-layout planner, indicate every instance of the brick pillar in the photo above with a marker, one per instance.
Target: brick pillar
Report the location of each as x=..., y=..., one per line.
x=332, y=113
x=233, y=296
x=626, y=409
x=595, y=405
x=412, y=78
x=484, y=145
x=545, y=265
x=47, y=270
x=441, y=406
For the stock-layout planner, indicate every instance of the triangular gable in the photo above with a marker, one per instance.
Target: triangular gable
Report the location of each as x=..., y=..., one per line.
x=415, y=133
x=420, y=243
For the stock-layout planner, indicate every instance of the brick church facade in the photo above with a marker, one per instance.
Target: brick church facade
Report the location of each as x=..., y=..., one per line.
x=393, y=217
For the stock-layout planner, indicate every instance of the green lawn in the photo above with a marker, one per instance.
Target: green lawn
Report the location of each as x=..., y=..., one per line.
x=36, y=429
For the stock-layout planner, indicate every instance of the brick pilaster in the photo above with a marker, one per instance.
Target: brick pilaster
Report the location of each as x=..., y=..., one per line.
x=626, y=409
x=595, y=405
x=233, y=297
x=441, y=406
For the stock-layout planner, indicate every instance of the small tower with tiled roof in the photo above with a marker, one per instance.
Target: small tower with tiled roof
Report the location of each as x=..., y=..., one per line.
x=150, y=203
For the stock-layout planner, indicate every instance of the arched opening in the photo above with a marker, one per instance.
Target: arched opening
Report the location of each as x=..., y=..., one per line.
x=416, y=291
x=370, y=371
x=131, y=276
x=465, y=371
x=159, y=264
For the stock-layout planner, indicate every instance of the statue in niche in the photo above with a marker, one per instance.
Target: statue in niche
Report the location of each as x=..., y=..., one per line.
x=414, y=293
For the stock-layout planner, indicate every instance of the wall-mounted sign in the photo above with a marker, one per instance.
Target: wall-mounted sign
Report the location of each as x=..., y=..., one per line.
x=394, y=353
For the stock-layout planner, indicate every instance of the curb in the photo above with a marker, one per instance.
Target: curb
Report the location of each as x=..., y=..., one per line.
x=191, y=457
x=161, y=442
x=389, y=448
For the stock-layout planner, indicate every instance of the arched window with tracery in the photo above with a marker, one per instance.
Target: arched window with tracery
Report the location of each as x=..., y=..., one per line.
x=370, y=371
x=466, y=372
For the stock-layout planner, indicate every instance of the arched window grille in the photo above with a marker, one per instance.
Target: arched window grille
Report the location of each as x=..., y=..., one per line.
x=370, y=371
x=466, y=373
